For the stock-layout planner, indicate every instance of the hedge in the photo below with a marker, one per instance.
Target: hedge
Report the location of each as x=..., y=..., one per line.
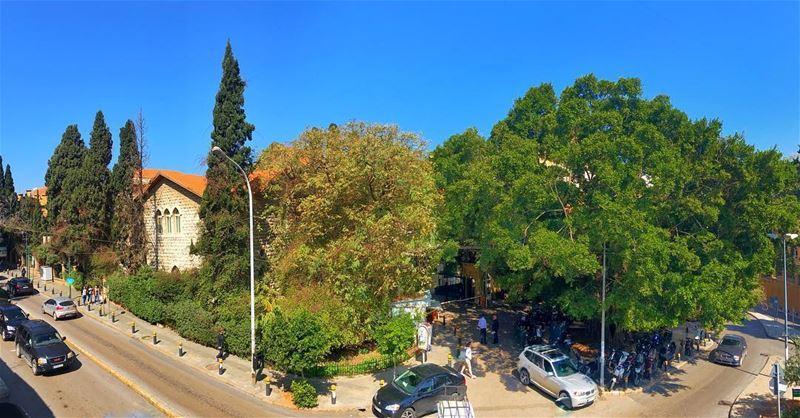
x=348, y=368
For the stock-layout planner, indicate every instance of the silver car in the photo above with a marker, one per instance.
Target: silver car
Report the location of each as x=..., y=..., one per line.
x=554, y=373
x=60, y=307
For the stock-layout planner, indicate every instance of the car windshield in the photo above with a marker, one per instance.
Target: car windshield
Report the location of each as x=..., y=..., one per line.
x=731, y=342
x=46, y=339
x=66, y=303
x=564, y=368
x=14, y=314
x=408, y=381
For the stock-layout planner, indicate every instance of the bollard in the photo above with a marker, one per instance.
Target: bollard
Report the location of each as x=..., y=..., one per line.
x=382, y=382
x=52, y=290
x=333, y=394
x=38, y=284
x=89, y=307
x=113, y=317
x=180, y=349
x=61, y=293
x=444, y=320
x=155, y=340
x=45, y=287
x=133, y=327
x=449, y=360
x=220, y=366
x=267, y=387
x=101, y=310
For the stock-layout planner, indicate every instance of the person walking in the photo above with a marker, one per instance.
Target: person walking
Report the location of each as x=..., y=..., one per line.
x=482, y=328
x=221, y=344
x=23, y=272
x=89, y=294
x=495, y=329
x=467, y=353
x=97, y=294
x=83, y=295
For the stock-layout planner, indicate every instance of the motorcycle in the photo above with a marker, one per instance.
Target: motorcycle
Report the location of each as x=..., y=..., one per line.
x=620, y=370
x=638, y=367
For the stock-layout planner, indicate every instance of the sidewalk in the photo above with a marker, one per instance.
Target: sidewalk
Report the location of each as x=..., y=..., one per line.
x=756, y=401
x=774, y=327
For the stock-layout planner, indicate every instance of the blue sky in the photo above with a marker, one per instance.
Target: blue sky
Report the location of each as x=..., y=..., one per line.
x=431, y=68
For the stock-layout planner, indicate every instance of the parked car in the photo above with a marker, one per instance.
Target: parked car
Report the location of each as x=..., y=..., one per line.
x=553, y=372
x=19, y=286
x=60, y=307
x=11, y=316
x=416, y=391
x=39, y=344
x=732, y=350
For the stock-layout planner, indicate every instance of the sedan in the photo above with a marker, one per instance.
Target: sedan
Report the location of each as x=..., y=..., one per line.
x=418, y=390
x=11, y=317
x=732, y=351
x=20, y=286
x=60, y=307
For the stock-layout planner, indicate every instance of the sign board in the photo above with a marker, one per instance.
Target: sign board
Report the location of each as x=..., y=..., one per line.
x=777, y=377
x=70, y=280
x=424, y=336
x=795, y=392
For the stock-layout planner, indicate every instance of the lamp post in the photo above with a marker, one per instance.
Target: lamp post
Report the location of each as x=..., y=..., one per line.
x=603, y=326
x=252, y=266
x=785, y=297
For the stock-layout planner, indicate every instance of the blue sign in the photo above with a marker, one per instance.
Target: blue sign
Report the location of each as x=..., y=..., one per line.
x=70, y=280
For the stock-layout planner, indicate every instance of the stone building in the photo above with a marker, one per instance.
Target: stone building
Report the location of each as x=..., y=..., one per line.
x=172, y=218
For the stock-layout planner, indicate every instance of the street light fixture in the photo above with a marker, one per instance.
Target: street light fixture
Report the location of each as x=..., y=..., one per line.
x=785, y=296
x=252, y=266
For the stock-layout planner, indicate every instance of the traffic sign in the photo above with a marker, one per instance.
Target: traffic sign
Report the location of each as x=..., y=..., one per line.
x=70, y=280
x=777, y=377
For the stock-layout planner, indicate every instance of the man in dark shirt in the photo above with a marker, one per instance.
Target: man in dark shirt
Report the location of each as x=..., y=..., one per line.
x=495, y=329
x=221, y=344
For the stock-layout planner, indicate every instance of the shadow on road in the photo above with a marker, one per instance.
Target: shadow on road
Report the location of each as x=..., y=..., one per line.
x=22, y=394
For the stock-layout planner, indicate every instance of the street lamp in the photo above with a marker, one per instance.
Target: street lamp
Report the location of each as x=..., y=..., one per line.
x=252, y=268
x=785, y=297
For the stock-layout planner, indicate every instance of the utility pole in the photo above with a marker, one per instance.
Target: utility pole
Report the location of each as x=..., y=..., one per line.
x=603, y=325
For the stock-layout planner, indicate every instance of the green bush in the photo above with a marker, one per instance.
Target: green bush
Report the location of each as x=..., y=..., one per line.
x=233, y=314
x=396, y=336
x=304, y=395
x=346, y=368
x=192, y=321
x=294, y=342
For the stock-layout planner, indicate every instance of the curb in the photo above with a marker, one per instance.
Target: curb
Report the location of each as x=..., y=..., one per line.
x=733, y=404
x=127, y=382
x=764, y=327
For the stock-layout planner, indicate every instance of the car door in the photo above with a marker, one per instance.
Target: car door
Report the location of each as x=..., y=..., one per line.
x=426, y=397
x=550, y=378
x=538, y=375
x=49, y=304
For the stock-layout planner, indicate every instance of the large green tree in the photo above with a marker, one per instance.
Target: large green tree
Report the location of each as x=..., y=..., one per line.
x=96, y=190
x=65, y=161
x=223, y=241
x=681, y=209
x=128, y=231
x=350, y=214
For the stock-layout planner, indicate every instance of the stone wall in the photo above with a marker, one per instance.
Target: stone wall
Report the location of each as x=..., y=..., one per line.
x=169, y=248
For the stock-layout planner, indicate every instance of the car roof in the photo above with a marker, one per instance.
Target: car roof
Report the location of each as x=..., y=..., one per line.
x=428, y=369
x=549, y=352
x=5, y=305
x=733, y=337
x=37, y=326
x=61, y=299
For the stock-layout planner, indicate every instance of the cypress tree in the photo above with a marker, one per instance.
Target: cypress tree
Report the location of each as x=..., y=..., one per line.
x=65, y=162
x=9, y=194
x=128, y=215
x=223, y=242
x=96, y=190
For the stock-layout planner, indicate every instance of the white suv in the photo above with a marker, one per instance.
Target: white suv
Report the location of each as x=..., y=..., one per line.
x=553, y=372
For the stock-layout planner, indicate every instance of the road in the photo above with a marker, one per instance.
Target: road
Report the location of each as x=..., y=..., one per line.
x=84, y=391
x=702, y=389
x=184, y=390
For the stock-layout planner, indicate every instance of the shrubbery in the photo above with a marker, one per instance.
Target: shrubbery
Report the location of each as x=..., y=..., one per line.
x=296, y=341
x=304, y=395
x=192, y=321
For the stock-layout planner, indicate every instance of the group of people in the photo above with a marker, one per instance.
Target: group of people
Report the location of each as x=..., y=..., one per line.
x=91, y=295
x=465, y=356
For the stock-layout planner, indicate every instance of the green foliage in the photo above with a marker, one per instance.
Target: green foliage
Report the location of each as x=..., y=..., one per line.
x=294, y=342
x=349, y=368
x=224, y=208
x=351, y=212
x=304, y=395
x=192, y=321
x=127, y=229
x=233, y=315
x=681, y=209
x=396, y=336
x=96, y=188
x=63, y=165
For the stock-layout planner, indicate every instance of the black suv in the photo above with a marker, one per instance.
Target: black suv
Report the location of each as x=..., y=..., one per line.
x=42, y=347
x=11, y=317
x=417, y=391
x=20, y=286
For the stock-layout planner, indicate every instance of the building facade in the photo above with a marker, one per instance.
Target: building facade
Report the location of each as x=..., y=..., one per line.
x=172, y=218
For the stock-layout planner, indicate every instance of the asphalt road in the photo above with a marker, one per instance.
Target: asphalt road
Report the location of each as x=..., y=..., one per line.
x=86, y=390
x=699, y=389
x=184, y=390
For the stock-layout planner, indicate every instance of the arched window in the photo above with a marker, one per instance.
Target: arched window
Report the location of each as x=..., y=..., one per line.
x=158, y=222
x=175, y=269
x=176, y=219
x=167, y=221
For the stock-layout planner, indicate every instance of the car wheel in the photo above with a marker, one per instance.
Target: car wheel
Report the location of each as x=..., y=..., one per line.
x=34, y=368
x=19, y=352
x=524, y=377
x=568, y=401
x=408, y=413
